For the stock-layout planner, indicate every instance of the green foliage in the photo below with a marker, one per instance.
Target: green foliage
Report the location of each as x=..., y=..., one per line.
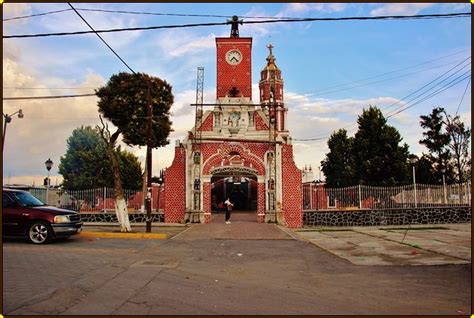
x=379, y=160
x=459, y=145
x=437, y=141
x=372, y=157
x=86, y=164
x=338, y=165
x=124, y=101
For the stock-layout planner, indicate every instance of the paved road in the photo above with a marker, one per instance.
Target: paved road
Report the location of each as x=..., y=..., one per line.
x=218, y=274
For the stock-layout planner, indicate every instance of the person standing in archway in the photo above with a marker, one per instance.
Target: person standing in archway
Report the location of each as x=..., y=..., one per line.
x=228, y=209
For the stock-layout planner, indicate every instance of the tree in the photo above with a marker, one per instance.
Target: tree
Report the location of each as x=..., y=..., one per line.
x=85, y=164
x=459, y=137
x=437, y=141
x=379, y=160
x=338, y=165
x=124, y=100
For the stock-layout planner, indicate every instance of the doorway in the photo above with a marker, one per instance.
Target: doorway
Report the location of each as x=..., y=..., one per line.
x=242, y=191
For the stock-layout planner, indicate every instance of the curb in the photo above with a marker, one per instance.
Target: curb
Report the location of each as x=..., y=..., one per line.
x=129, y=235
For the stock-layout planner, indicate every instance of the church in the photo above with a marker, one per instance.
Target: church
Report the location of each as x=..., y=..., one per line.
x=238, y=149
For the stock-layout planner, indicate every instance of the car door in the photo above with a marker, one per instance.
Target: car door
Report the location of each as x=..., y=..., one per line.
x=14, y=217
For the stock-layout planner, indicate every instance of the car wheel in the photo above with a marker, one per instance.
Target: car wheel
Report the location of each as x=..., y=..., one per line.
x=40, y=233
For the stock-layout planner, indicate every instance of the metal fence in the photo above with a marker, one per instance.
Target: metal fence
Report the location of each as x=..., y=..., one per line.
x=317, y=197
x=96, y=200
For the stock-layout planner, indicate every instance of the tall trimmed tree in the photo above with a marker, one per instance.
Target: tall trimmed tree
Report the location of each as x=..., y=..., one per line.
x=124, y=101
x=379, y=160
x=338, y=166
x=436, y=141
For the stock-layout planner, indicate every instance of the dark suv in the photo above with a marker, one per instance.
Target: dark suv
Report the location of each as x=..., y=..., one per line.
x=25, y=216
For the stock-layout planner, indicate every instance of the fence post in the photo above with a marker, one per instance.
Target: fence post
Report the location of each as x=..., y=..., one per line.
x=310, y=196
x=105, y=197
x=360, y=199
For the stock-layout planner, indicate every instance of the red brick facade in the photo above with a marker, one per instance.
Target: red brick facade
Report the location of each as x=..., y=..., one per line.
x=291, y=188
x=260, y=123
x=240, y=75
x=175, y=190
x=208, y=123
x=237, y=148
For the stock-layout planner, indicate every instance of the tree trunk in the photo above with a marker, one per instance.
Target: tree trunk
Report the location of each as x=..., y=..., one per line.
x=120, y=204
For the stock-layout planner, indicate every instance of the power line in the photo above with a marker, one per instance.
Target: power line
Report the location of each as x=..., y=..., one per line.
x=102, y=39
x=454, y=82
x=458, y=79
x=47, y=97
x=49, y=88
x=177, y=14
x=462, y=98
x=146, y=13
x=399, y=17
x=308, y=93
x=433, y=81
x=34, y=15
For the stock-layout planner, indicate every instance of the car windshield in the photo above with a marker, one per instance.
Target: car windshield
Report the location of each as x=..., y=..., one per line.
x=27, y=199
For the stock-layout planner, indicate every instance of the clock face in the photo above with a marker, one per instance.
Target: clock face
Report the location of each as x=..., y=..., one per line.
x=233, y=57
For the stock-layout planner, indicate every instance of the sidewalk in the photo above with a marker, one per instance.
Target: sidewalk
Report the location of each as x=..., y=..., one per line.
x=433, y=244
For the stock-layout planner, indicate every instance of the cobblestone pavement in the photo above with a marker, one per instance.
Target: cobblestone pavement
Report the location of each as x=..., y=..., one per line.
x=216, y=275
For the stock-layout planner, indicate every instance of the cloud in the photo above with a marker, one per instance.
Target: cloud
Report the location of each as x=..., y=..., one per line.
x=46, y=125
x=400, y=8
x=179, y=43
x=301, y=8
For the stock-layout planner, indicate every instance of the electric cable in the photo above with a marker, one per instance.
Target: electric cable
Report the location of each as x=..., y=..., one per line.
x=309, y=93
x=102, y=39
x=34, y=15
x=407, y=105
x=47, y=97
x=399, y=17
x=462, y=98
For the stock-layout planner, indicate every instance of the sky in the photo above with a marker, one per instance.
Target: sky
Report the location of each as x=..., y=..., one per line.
x=331, y=70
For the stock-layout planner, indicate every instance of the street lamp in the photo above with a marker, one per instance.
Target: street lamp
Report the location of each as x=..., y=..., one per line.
x=49, y=164
x=7, y=119
x=413, y=162
x=443, y=171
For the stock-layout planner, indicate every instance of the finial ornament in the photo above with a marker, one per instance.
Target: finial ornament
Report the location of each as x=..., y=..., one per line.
x=234, y=31
x=270, y=47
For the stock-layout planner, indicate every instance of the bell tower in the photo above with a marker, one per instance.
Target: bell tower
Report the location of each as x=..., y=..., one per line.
x=234, y=65
x=271, y=92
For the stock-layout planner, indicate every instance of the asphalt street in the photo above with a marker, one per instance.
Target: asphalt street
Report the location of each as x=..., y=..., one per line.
x=217, y=269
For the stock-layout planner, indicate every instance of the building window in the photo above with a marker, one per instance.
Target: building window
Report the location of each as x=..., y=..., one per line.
x=197, y=157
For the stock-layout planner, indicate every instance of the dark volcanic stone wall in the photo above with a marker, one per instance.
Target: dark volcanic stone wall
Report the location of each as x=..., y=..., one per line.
x=112, y=217
x=435, y=215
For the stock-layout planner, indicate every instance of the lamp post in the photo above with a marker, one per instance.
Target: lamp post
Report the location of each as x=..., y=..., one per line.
x=443, y=171
x=7, y=119
x=413, y=161
x=49, y=164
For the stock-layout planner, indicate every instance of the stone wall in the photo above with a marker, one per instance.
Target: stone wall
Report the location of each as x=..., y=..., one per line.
x=112, y=217
x=433, y=215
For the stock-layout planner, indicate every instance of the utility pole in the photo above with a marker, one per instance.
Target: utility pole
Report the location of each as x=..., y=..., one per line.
x=148, y=159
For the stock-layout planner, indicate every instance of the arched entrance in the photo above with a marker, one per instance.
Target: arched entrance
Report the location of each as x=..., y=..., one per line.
x=237, y=183
x=242, y=191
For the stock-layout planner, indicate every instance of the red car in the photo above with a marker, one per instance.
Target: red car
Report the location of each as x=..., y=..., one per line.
x=24, y=215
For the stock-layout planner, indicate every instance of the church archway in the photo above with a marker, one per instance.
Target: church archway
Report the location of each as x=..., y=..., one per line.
x=237, y=183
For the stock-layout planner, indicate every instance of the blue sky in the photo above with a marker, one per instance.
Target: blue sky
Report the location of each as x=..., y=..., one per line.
x=312, y=56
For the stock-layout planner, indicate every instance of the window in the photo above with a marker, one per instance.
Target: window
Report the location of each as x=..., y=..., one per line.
x=7, y=202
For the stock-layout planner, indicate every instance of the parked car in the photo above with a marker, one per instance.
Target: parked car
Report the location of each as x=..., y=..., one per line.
x=23, y=215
